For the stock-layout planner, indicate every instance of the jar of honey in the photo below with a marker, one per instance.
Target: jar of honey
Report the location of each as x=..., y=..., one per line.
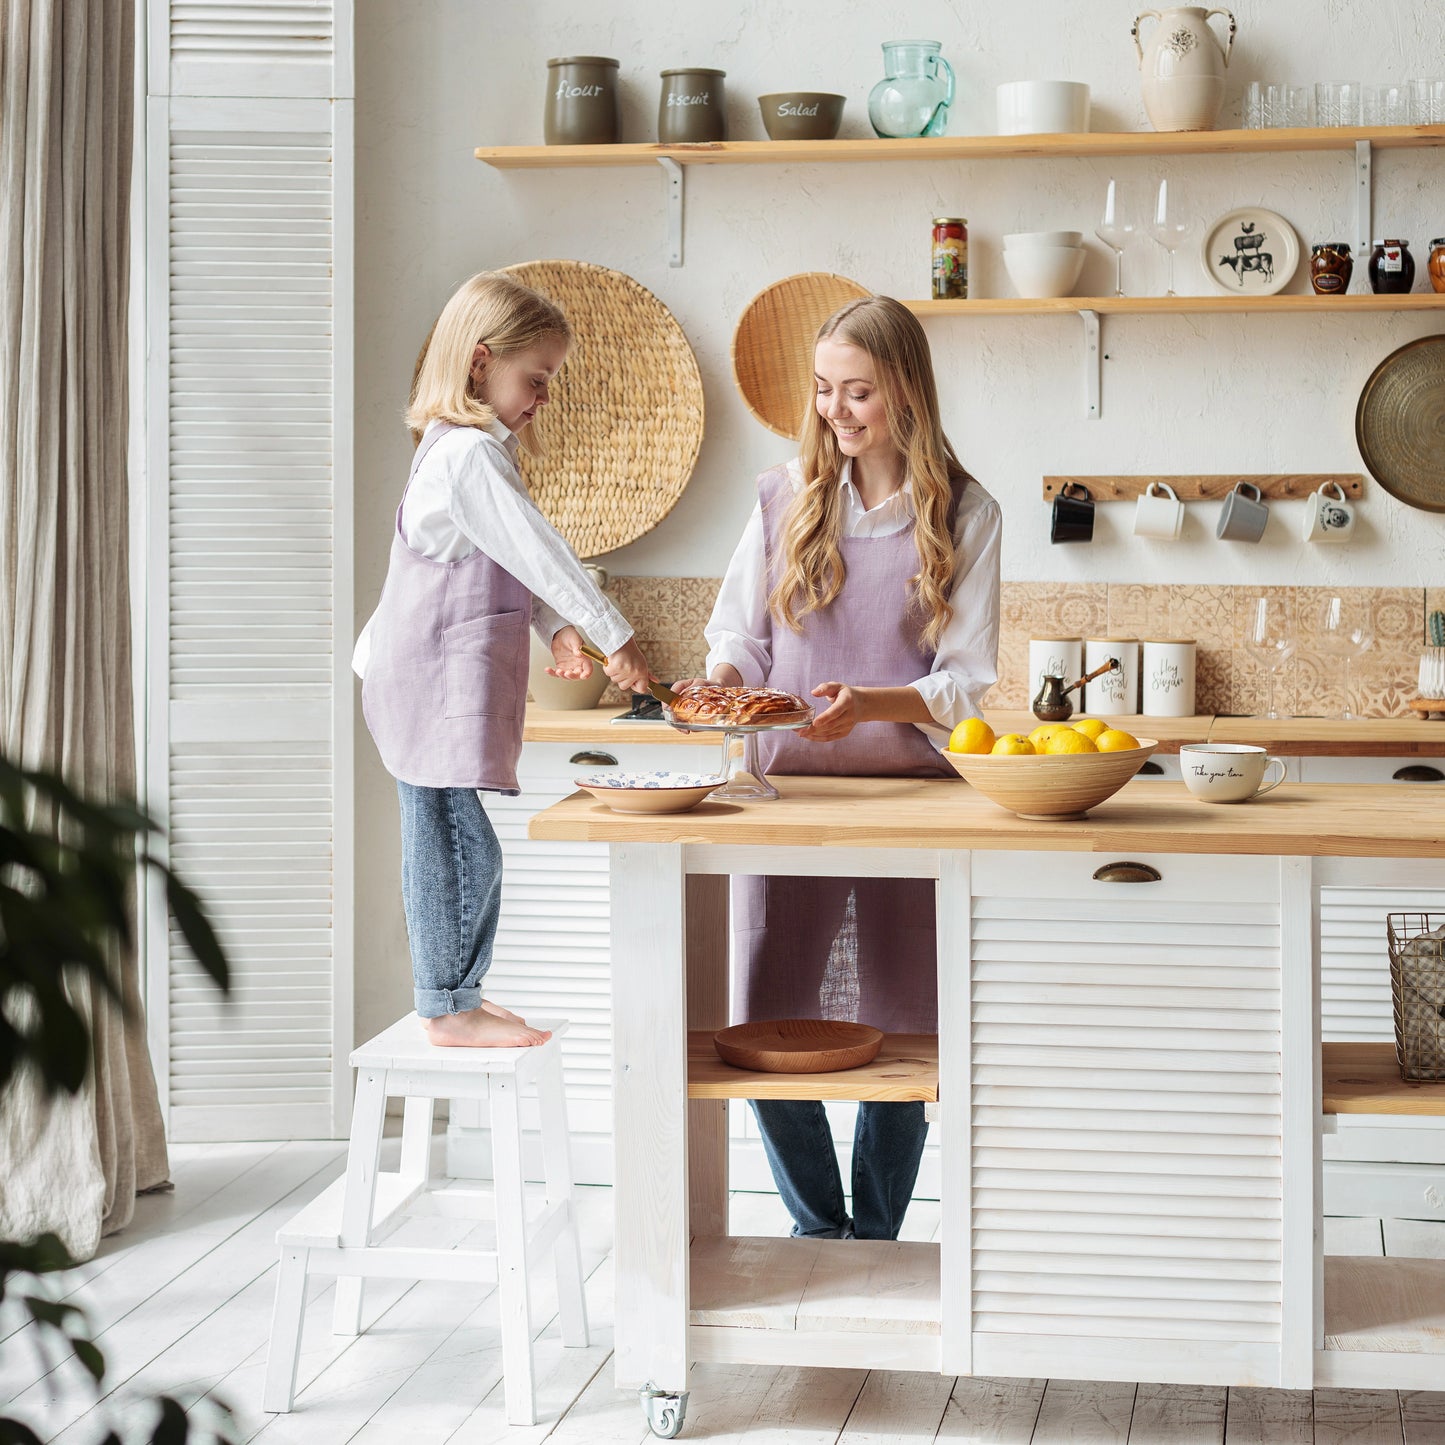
x=1331, y=267
x=1392, y=268
x=1437, y=264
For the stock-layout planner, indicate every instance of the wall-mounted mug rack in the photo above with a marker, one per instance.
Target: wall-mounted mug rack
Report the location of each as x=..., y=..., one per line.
x=1273, y=486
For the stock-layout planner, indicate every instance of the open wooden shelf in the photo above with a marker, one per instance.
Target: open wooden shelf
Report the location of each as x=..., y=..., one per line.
x=1172, y=305
x=1385, y=1305
x=958, y=148
x=1365, y=1079
x=906, y=1069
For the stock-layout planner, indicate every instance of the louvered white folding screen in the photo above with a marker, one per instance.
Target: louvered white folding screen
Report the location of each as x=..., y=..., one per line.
x=248, y=243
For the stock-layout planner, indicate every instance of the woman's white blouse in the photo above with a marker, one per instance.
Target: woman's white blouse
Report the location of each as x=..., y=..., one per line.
x=740, y=629
x=468, y=496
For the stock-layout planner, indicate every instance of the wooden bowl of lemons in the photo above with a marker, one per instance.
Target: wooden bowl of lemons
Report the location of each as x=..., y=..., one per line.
x=1060, y=770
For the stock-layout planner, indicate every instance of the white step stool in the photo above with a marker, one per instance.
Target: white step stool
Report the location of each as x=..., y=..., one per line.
x=342, y=1231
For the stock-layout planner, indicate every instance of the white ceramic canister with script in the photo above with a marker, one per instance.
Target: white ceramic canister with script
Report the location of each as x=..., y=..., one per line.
x=1112, y=694
x=1058, y=657
x=1167, y=679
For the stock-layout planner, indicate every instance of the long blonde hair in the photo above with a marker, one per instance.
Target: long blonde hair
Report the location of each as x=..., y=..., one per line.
x=489, y=308
x=812, y=571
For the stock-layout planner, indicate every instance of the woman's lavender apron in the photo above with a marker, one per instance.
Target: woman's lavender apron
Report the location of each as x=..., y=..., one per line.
x=445, y=690
x=859, y=949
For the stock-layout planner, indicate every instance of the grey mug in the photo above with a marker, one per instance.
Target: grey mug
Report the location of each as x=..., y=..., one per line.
x=690, y=109
x=1243, y=517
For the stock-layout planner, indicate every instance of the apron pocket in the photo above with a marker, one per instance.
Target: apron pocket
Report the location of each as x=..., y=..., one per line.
x=483, y=663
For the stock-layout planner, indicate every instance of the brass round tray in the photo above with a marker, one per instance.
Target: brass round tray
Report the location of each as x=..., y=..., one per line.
x=1400, y=424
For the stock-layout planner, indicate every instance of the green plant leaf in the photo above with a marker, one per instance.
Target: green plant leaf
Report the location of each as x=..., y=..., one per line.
x=89, y=1355
x=52, y=1312
x=196, y=927
x=16, y=1432
x=173, y=1428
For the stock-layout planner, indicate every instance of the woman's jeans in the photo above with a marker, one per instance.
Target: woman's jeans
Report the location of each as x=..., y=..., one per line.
x=887, y=1146
x=451, y=889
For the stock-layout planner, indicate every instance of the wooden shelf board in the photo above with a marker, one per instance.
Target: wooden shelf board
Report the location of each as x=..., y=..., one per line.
x=1385, y=1305
x=1365, y=1079
x=1173, y=305
x=986, y=147
x=906, y=1068
x=868, y=1286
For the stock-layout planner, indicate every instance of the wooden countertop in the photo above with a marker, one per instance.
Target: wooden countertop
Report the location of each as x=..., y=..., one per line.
x=1308, y=820
x=1294, y=737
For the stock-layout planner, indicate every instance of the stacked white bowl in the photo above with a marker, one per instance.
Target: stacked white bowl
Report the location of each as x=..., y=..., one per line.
x=1043, y=263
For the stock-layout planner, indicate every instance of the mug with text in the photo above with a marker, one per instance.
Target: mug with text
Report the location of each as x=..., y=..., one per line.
x=1227, y=772
x=1328, y=516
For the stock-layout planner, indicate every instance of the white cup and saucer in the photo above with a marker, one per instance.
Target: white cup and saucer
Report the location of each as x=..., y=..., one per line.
x=1227, y=772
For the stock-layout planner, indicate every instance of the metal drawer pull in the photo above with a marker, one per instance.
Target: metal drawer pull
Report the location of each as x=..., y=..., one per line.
x=1153, y=769
x=594, y=760
x=1127, y=873
x=1418, y=773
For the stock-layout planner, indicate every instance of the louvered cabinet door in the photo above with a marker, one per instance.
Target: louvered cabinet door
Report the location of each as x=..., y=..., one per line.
x=1126, y=1174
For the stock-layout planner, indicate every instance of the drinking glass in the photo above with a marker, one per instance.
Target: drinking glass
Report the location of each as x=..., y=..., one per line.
x=1270, y=636
x=1254, y=106
x=1386, y=105
x=1337, y=102
x=1296, y=106
x=1421, y=101
x=1115, y=231
x=1275, y=105
x=1344, y=630
x=1167, y=229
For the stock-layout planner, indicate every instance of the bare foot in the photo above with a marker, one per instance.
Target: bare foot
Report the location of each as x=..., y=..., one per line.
x=502, y=1013
x=482, y=1029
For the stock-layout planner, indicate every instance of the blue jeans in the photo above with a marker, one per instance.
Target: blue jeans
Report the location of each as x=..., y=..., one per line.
x=887, y=1146
x=451, y=889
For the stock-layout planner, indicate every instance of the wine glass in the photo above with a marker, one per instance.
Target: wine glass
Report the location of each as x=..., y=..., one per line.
x=1345, y=631
x=1114, y=231
x=1167, y=229
x=1270, y=636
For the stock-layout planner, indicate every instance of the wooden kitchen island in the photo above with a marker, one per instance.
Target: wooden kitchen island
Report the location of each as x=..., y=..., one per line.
x=1128, y=1075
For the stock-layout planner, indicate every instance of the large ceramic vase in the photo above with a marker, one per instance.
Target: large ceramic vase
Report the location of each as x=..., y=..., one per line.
x=1182, y=67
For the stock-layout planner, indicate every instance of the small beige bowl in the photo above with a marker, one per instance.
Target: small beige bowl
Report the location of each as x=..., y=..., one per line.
x=1051, y=786
x=660, y=792
x=801, y=114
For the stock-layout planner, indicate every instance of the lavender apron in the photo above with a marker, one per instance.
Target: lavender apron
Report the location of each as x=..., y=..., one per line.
x=860, y=949
x=446, y=682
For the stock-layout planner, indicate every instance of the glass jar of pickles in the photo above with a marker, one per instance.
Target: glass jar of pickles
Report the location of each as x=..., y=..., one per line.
x=1331, y=267
x=1437, y=264
x=950, y=258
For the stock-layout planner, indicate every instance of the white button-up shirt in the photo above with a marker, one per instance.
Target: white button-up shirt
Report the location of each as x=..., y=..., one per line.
x=468, y=496
x=966, y=666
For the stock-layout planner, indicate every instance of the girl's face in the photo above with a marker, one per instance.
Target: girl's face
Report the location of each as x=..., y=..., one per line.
x=849, y=399
x=516, y=384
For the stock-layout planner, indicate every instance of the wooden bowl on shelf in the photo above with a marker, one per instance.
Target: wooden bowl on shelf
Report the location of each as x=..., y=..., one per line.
x=1051, y=785
x=798, y=1046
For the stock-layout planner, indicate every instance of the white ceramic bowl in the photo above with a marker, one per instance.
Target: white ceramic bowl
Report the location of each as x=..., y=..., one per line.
x=1042, y=107
x=1039, y=271
x=1022, y=240
x=656, y=792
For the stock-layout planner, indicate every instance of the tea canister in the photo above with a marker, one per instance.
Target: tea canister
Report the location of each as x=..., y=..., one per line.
x=582, y=101
x=950, y=258
x=690, y=109
x=1114, y=693
x=1331, y=267
x=1167, y=679
x=1437, y=264
x=1054, y=657
x=1392, y=268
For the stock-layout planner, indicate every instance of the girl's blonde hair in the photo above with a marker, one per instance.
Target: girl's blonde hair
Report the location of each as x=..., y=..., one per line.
x=812, y=571
x=490, y=308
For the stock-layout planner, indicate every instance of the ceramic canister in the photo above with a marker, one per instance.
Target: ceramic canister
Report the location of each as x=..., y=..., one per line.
x=1060, y=657
x=1115, y=693
x=582, y=101
x=690, y=110
x=1166, y=682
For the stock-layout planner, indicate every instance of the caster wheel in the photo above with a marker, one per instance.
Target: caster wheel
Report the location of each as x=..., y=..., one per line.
x=665, y=1411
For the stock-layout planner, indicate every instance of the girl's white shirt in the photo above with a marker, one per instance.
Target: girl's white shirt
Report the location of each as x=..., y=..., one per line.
x=966, y=666
x=468, y=496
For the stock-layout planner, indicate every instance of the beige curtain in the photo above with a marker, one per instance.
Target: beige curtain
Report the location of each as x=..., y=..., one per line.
x=66, y=125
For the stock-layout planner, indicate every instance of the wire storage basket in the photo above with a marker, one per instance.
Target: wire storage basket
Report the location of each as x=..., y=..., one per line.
x=1417, y=990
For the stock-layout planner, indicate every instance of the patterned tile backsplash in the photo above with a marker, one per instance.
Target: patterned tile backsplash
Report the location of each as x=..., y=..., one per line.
x=669, y=614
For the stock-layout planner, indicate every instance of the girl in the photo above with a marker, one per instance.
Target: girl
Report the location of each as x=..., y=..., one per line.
x=868, y=576
x=444, y=658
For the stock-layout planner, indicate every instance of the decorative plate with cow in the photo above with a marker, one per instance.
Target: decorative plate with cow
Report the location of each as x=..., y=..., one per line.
x=1250, y=252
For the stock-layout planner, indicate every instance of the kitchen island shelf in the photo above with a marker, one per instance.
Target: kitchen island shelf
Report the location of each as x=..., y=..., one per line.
x=1365, y=1079
x=906, y=1069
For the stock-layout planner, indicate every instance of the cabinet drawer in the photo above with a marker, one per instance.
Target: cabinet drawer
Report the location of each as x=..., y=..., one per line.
x=1210, y=880
x=1372, y=770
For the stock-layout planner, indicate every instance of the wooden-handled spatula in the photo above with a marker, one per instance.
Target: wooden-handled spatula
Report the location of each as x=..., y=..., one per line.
x=659, y=690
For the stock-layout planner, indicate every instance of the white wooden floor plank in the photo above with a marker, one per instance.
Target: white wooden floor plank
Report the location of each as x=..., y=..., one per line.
x=601, y=1415
x=1269, y=1417
x=1178, y=1415
x=1348, y=1235
x=1358, y=1417
x=1085, y=1412
x=897, y=1407
x=1423, y=1414
x=1416, y=1238
x=985, y=1411
x=770, y=1405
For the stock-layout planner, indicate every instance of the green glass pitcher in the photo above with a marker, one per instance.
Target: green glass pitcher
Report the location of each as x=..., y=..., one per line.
x=913, y=97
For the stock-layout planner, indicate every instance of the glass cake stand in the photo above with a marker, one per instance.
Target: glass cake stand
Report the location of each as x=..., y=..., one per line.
x=743, y=779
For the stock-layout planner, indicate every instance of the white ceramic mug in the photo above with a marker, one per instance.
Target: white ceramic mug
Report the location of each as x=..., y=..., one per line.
x=1158, y=513
x=1113, y=694
x=1057, y=657
x=1328, y=515
x=1167, y=679
x=1227, y=772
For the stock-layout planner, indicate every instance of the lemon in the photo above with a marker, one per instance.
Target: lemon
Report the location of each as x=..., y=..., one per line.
x=1043, y=731
x=1116, y=740
x=1066, y=740
x=1013, y=745
x=972, y=735
x=1091, y=727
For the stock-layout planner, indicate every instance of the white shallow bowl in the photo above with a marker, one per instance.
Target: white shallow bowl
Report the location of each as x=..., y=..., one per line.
x=1042, y=107
x=1023, y=240
x=1039, y=271
x=655, y=792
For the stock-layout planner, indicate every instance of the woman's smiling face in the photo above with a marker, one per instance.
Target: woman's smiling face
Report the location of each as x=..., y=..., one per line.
x=849, y=399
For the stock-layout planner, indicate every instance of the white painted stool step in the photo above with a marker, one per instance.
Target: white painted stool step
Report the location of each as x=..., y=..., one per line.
x=344, y=1230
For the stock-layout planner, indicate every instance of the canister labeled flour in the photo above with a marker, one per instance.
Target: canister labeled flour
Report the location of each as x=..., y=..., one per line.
x=1167, y=682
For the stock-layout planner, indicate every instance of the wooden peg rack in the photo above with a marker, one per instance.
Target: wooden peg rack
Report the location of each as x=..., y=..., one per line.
x=1273, y=486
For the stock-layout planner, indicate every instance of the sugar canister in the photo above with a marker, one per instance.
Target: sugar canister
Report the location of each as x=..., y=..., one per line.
x=1167, y=681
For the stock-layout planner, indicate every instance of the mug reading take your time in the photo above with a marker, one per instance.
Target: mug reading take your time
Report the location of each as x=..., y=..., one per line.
x=1227, y=772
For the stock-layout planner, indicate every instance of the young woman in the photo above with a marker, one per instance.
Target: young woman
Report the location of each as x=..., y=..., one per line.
x=867, y=577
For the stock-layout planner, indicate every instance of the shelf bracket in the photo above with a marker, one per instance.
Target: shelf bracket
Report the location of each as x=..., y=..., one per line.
x=672, y=177
x=1093, y=364
x=1363, y=199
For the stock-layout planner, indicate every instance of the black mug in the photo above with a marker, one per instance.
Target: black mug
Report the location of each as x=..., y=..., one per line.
x=1073, y=518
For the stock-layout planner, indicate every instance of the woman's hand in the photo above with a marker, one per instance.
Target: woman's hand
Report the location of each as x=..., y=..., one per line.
x=845, y=710
x=568, y=659
x=628, y=668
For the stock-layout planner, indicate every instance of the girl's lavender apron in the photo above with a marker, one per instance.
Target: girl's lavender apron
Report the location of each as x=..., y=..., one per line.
x=446, y=682
x=860, y=949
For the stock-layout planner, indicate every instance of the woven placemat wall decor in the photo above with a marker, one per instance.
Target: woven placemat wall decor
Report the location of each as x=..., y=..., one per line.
x=1400, y=424
x=624, y=426
x=773, y=345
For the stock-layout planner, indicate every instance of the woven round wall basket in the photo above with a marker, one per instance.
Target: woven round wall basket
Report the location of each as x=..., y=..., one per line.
x=1400, y=424
x=773, y=345
x=624, y=426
